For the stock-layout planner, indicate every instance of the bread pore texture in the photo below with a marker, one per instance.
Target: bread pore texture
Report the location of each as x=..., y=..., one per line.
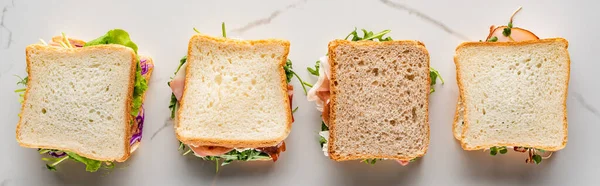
x=235, y=93
x=514, y=93
x=379, y=100
x=79, y=100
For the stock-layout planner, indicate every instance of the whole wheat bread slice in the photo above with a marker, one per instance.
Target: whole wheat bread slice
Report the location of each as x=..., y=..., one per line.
x=514, y=93
x=79, y=100
x=235, y=93
x=379, y=100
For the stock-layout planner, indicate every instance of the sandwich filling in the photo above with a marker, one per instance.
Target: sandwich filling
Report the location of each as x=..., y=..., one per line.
x=320, y=92
x=143, y=71
x=215, y=153
x=227, y=154
x=509, y=33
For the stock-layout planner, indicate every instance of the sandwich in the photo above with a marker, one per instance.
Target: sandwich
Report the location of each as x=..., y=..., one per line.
x=83, y=100
x=232, y=99
x=373, y=94
x=513, y=93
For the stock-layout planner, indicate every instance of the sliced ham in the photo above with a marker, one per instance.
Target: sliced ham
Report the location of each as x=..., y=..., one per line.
x=517, y=34
x=290, y=93
x=177, y=84
x=402, y=162
x=320, y=91
x=274, y=151
x=203, y=151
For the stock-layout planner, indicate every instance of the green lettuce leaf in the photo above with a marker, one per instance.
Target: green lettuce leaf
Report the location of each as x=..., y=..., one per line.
x=434, y=75
x=116, y=36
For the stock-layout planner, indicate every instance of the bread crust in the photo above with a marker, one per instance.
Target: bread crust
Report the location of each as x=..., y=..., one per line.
x=333, y=98
x=134, y=146
x=32, y=78
x=509, y=44
x=456, y=114
x=237, y=143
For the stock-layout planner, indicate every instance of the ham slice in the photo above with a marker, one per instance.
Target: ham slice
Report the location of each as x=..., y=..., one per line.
x=320, y=91
x=274, y=151
x=290, y=93
x=517, y=34
x=402, y=162
x=177, y=84
x=203, y=151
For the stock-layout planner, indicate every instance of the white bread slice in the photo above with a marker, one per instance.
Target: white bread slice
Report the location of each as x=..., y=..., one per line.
x=457, y=126
x=379, y=100
x=235, y=93
x=79, y=100
x=514, y=93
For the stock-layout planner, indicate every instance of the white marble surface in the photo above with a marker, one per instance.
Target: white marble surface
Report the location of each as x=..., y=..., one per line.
x=162, y=29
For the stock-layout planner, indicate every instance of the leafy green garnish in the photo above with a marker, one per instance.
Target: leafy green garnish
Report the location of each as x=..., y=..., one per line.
x=116, y=36
x=493, y=39
x=90, y=164
x=501, y=149
x=289, y=74
x=121, y=37
x=234, y=155
x=324, y=127
x=370, y=161
x=368, y=35
x=173, y=103
x=314, y=71
x=223, y=29
x=507, y=31
x=433, y=75
x=322, y=141
x=21, y=91
x=537, y=158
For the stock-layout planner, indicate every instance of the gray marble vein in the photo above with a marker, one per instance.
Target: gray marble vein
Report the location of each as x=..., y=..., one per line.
x=425, y=17
x=4, y=29
x=266, y=20
x=168, y=122
x=579, y=98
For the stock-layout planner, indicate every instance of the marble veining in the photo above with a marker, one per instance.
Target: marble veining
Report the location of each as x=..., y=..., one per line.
x=425, y=17
x=579, y=98
x=168, y=122
x=5, y=42
x=266, y=20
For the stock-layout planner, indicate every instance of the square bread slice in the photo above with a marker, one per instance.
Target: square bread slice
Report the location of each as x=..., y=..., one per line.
x=235, y=93
x=79, y=100
x=514, y=93
x=379, y=100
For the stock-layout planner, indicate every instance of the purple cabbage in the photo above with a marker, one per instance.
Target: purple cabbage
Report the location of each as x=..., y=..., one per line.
x=137, y=137
x=144, y=66
x=57, y=154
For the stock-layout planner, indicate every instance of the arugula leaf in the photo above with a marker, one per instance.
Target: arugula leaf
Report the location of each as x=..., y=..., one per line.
x=493, y=39
x=368, y=35
x=434, y=75
x=235, y=155
x=322, y=141
x=121, y=37
x=502, y=150
x=324, y=127
x=493, y=151
x=289, y=74
x=537, y=158
x=314, y=71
